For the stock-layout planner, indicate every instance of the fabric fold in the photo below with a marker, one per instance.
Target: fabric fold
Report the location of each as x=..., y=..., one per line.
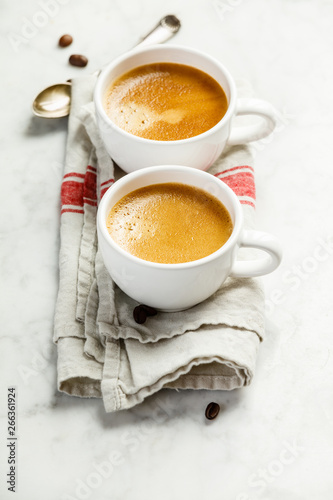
x=102, y=351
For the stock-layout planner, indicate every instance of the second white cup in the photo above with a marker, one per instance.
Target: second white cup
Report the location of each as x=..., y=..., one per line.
x=172, y=287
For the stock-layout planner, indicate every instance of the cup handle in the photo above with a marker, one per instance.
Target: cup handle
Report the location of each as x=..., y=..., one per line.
x=256, y=131
x=264, y=265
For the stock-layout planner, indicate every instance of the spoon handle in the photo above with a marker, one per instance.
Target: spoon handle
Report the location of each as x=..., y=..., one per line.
x=165, y=29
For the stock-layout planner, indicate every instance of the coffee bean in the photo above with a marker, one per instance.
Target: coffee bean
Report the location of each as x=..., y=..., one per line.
x=139, y=315
x=65, y=40
x=150, y=311
x=78, y=60
x=212, y=411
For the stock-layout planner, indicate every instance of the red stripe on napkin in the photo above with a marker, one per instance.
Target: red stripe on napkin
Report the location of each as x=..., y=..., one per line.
x=79, y=189
x=89, y=187
x=241, y=181
x=105, y=186
x=235, y=168
x=72, y=193
x=74, y=174
x=72, y=210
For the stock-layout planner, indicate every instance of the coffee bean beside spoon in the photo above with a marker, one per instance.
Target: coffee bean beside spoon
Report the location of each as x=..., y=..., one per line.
x=55, y=101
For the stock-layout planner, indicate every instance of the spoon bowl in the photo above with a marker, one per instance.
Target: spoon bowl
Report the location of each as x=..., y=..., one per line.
x=54, y=101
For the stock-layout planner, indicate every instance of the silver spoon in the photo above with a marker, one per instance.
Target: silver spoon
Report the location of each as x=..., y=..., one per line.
x=55, y=101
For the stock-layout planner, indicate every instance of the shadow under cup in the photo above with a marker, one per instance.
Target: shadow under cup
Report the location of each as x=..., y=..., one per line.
x=169, y=287
x=131, y=152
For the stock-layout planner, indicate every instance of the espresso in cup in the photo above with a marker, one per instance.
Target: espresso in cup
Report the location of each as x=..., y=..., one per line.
x=165, y=101
x=169, y=223
x=194, y=133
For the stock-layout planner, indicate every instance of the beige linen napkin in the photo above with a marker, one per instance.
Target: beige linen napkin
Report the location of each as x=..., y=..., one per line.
x=102, y=352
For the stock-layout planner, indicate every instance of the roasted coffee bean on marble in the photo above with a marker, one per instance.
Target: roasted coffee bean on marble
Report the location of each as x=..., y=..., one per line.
x=150, y=311
x=139, y=315
x=65, y=40
x=212, y=411
x=78, y=60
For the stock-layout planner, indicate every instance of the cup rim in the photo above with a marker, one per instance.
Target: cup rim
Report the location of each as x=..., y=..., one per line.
x=232, y=241
x=103, y=76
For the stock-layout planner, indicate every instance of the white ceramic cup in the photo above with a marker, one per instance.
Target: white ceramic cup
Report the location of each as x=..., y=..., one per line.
x=132, y=153
x=172, y=287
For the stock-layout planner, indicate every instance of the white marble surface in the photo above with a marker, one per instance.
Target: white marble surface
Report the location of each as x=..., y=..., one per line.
x=272, y=440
